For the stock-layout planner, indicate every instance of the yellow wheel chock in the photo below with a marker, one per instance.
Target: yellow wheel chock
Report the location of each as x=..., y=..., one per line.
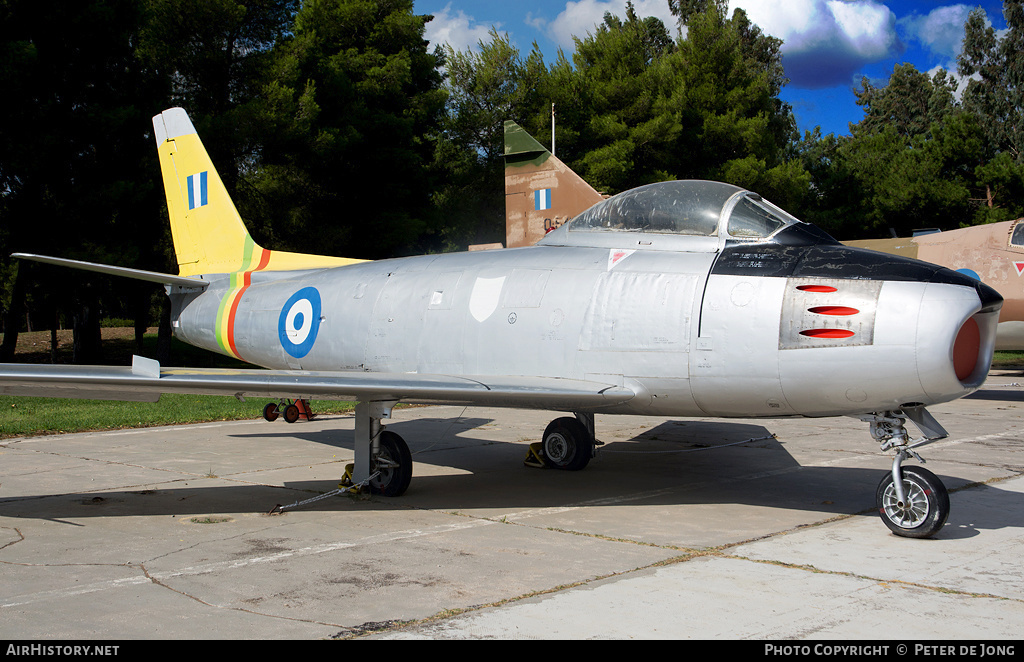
x=533, y=456
x=346, y=480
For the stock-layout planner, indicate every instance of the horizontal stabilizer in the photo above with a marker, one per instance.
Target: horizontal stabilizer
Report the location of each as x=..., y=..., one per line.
x=137, y=274
x=145, y=377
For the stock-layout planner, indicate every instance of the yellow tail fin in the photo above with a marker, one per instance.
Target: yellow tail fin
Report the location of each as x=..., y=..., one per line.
x=209, y=236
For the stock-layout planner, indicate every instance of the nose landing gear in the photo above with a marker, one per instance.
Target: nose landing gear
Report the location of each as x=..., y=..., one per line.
x=911, y=501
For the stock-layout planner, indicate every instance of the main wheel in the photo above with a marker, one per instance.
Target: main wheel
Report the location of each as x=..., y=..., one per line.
x=567, y=444
x=270, y=411
x=394, y=462
x=926, y=507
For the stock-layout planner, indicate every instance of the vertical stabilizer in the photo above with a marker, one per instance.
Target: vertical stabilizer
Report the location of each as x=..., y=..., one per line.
x=209, y=236
x=541, y=192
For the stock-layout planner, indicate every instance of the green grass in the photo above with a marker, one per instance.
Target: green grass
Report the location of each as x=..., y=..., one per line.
x=1006, y=359
x=22, y=417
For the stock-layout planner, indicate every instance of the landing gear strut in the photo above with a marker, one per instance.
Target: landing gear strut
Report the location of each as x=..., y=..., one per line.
x=383, y=461
x=911, y=501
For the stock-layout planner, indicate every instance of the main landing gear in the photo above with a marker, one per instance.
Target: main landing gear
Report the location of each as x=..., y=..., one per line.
x=911, y=501
x=383, y=462
x=568, y=444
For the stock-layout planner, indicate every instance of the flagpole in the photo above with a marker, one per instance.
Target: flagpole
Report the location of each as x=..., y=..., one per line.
x=552, y=128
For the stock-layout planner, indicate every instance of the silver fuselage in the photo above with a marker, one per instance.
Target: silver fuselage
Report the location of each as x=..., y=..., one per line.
x=722, y=330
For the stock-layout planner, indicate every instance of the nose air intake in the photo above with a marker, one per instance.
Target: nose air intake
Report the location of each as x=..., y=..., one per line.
x=966, y=349
x=972, y=348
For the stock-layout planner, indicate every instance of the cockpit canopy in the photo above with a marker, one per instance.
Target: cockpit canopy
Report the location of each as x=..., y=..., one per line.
x=693, y=207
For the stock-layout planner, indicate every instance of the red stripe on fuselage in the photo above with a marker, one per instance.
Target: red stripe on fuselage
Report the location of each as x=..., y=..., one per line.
x=246, y=282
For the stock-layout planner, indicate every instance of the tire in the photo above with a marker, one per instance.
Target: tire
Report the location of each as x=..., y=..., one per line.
x=567, y=445
x=927, y=507
x=291, y=414
x=393, y=481
x=270, y=411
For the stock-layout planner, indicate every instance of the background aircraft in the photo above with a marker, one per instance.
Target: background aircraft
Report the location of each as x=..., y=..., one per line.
x=994, y=254
x=541, y=192
x=689, y=298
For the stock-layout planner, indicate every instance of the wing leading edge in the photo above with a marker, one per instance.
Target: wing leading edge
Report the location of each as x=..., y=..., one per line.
x=145, y=381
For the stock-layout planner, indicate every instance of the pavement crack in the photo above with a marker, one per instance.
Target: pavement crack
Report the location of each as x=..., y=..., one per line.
x=899, y=582
x=156, y=581
x=21, y=536
x=393, y=626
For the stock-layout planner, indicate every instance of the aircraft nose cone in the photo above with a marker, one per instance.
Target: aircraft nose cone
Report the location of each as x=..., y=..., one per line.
x=990, y=299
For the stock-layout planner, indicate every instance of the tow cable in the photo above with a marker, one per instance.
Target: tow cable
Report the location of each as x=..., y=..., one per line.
x=342, y=488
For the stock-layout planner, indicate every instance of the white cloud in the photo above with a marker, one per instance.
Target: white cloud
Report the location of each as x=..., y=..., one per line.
x=583, y=16
x=784, y=19
x=825, y=42
x=864, y=28
x=457, y=29
x=941, y=30
x=536, y=22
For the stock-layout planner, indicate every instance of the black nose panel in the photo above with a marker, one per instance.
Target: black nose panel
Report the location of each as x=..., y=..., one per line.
x=828, y=260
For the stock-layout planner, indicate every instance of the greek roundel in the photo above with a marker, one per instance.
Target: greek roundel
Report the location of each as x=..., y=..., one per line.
x=300, y=322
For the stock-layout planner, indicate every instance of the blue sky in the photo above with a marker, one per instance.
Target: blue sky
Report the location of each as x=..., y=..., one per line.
x=828, y=44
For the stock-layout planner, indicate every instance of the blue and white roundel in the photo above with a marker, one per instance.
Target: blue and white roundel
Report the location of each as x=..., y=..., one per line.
x=299, y=322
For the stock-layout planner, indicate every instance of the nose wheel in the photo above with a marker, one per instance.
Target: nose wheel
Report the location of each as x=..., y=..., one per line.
x=923, y=508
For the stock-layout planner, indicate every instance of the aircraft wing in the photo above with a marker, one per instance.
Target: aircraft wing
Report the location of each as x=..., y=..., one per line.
x=145, y=380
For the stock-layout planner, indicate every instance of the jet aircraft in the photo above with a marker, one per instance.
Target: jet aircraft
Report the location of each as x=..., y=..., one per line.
x=683, y=298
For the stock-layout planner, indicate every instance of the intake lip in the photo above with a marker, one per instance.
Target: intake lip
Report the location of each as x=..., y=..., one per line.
x=991, y=301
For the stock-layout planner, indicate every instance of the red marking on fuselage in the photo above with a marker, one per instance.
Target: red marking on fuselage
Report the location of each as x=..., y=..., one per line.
x=246, y=282
x=834, y=310
x=835, y=334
